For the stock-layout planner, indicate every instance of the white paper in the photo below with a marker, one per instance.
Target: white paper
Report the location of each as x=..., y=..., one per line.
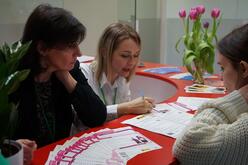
x=193, y=102
x=85, y=58
x=106, y=146
x=169, y=121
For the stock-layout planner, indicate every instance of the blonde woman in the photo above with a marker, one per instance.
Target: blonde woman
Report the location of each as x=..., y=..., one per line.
x=109, y=75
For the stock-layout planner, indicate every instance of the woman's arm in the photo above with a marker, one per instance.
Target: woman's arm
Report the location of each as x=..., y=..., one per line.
x=126, y=105
x=89, y=107
x=217, y=134
x=136, y=106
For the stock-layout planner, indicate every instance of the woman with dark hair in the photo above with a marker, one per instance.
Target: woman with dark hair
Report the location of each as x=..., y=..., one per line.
x=55, y=86
x=218, y=133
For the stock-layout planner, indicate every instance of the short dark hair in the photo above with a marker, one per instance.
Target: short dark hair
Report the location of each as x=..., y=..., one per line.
x=234, y=45
x=53, y=26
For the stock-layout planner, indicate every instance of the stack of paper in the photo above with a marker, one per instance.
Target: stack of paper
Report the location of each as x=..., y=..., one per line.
x=107, y=146
x=166, y=119
x=163, y=70
x=188, y=76
x=199, y=88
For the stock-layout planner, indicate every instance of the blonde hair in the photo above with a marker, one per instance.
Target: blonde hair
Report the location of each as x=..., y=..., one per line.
x=111, y=38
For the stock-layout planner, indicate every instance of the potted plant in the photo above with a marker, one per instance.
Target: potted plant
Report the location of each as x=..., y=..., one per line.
x=10, y=78
x=199, y=48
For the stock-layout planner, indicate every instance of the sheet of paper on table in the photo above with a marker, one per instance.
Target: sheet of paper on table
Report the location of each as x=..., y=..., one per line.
x=165, y=119
x=200, y=88
x=193, y=102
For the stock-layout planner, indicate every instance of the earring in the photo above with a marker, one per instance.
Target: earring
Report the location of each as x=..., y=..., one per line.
x=42, y=54
x=43, y=62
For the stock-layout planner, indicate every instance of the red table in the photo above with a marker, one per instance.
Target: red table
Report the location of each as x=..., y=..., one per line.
x=157, y=157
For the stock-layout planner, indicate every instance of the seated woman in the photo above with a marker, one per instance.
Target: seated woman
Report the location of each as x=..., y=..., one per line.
x=109, y=75
x=218, y=133
x=55, y=86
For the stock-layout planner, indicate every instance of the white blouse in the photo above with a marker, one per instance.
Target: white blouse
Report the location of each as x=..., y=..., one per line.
x=111, y=95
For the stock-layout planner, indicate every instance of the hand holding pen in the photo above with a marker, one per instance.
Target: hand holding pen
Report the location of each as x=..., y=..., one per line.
x=148, y=101
x=139, y=105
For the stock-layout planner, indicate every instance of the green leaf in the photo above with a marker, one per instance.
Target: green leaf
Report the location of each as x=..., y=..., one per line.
x=216, y=39
x=210, y=66
x=3, y=75
x=188, y=63
x=4, y=113
x=14, y=45
x=177, y=43
x=15, y=79
x=2, y=58
x=187, y=54
x=4, y=116
x=188, y=57
x=219, y=21
x=6, y=51
x=187, y=26
x=13, y=116
x=12, y=65
x=206, y=54
x=189, y=60
x=3, y=100
x=21, y=51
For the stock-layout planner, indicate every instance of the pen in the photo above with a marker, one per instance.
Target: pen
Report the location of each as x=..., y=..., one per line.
x=142, y=94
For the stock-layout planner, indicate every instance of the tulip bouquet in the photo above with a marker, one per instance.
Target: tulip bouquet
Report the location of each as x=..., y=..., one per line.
x=199, y=48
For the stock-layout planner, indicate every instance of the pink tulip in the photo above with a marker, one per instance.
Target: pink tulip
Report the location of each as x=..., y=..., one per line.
x=193, y=14
x=215, y=12
x=200, y=9
x=182, y=13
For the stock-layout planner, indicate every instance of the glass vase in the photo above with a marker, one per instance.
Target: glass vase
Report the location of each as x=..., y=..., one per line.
x=198, y=73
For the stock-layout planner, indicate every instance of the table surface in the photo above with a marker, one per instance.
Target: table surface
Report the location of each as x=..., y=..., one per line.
x=157, y=157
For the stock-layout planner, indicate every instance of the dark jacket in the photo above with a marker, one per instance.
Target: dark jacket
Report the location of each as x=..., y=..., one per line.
x=89, y=107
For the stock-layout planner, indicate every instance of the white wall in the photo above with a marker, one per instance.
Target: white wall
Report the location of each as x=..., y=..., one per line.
x=13, y=15
x=96, y=15
x=148, y=25
x=147, y=9
x=17, y=11
x=125, y=9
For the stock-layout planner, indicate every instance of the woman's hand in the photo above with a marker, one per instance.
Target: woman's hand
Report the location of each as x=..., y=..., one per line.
x=66, y=78
x=136, y=106
x=29, y=147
